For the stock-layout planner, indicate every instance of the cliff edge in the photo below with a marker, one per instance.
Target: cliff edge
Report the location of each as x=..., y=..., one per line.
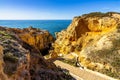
x=93, y=40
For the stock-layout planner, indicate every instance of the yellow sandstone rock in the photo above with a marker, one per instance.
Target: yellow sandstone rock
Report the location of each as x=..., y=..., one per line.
x=94, y=36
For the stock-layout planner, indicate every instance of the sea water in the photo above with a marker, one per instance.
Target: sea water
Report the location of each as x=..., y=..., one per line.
x=51, y=25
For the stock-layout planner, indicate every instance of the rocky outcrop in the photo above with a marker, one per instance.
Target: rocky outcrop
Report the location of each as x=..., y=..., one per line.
x=21, y=59
x=39, y=39
x=93, y=38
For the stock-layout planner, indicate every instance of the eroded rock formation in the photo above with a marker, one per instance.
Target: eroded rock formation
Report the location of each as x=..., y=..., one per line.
x=21, y=59
x=39, y=39
x=95, y=39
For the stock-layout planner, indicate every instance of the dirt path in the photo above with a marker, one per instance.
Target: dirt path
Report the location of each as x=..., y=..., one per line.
x=82, y=74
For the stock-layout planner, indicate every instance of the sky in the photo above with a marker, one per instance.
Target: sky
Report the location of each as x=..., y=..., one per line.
x=53, y=9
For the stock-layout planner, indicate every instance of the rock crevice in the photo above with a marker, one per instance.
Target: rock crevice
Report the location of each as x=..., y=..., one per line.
x=20, y=55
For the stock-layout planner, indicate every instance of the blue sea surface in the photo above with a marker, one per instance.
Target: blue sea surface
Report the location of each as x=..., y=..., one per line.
x=51, y=25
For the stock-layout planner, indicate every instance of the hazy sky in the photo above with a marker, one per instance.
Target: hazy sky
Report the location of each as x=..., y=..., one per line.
x=54, y=9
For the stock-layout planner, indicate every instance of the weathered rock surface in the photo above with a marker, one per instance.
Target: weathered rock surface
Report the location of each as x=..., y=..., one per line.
x=2, y=74
x=20, y=57
x=39, y=39
x=93, y=38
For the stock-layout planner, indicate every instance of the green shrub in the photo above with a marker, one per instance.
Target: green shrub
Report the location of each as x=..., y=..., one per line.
x=98, y=14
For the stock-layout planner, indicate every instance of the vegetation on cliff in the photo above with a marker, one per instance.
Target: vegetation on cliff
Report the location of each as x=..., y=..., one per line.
x=21, y=59
x=93, y=38
x=98, y=14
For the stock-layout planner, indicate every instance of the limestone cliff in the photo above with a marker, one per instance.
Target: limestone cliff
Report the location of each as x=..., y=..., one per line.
x=39, y=39
x=95, y=39
x=21, y=59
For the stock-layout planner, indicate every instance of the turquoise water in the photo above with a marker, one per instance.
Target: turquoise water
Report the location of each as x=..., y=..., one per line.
x=51, y=25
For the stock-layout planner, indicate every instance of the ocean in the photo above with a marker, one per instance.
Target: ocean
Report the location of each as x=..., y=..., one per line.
x=51, y=25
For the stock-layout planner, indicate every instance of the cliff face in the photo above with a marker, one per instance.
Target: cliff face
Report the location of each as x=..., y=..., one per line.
x=20, y=57
x=95, y=39
x=39, y=39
